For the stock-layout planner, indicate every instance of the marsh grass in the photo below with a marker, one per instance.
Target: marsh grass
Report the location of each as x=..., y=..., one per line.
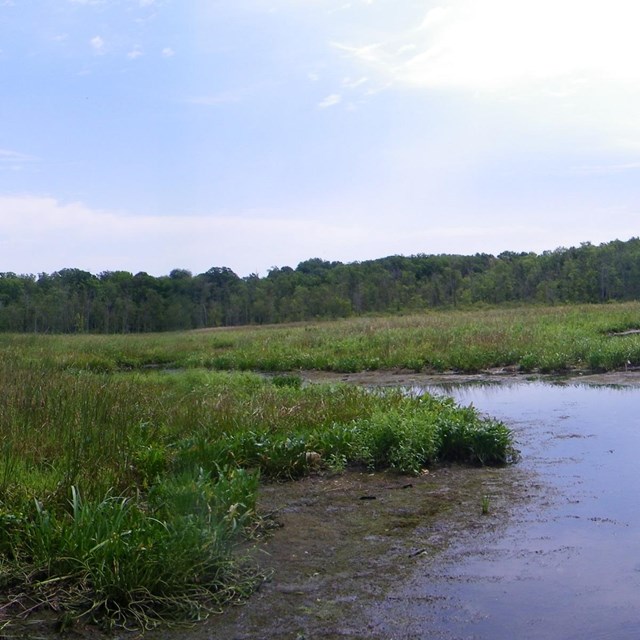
x=124, y=495
x=118, y=561
x=129, y=465
x=549, y=339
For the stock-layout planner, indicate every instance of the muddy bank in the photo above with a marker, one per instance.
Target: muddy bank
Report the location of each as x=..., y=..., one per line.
x=337, y=547
x=403, y=378
x=344, y=542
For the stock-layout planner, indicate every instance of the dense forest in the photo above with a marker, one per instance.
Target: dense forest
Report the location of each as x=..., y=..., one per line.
x=73, y=300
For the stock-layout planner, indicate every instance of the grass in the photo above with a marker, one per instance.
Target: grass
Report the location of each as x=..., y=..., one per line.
x=129, y=465
x=547, y=339
x=124, y=495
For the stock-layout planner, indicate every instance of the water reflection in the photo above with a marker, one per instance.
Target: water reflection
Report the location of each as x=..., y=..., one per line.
x=570, y=567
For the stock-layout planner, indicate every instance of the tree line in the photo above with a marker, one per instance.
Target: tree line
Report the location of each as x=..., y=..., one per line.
x=74, y=301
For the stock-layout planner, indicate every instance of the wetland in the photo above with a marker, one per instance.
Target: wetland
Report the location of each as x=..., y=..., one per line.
x=347, y=479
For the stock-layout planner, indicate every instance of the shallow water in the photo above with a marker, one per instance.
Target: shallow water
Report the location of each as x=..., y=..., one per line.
x=566, y=567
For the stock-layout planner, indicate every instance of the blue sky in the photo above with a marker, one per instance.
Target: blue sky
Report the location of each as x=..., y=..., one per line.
x=148, y=135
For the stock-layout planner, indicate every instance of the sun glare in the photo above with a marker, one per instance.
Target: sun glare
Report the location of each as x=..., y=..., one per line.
x=486, y=45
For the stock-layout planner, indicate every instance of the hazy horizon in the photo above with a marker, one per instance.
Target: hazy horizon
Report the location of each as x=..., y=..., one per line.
x=294, y=266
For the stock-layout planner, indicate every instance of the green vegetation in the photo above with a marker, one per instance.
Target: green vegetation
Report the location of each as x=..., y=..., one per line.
x=124, y=494
x=129, y=465
x=548, y=339
x=75, y=301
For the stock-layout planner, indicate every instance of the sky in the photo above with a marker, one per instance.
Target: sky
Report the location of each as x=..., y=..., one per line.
x=148, y=135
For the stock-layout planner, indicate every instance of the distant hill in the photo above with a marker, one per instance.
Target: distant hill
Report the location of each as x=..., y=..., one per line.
x=72, y=300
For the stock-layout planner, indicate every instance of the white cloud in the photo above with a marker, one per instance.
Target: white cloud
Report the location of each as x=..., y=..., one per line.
x=350, y=83
x=6, y=155
x=568, y=63
x=605, y=169
x=136, y=52
x=344, y=7
x=168, y=52
x=433, y=17
x=330, y=101
x=42, y=234
x=372, y=54
x=97, y=43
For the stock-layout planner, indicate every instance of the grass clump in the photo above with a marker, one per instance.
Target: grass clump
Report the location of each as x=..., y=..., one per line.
x=427, y=430
x=131, y=562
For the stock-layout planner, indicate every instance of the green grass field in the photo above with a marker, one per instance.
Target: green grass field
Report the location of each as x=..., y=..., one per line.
x=549, y=339
x=129, y=465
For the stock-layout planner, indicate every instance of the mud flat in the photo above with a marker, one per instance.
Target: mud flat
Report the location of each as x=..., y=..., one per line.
x=342, y=545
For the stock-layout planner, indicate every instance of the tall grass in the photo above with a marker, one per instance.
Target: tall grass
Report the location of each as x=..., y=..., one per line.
x=124, y=495
x=526, y=338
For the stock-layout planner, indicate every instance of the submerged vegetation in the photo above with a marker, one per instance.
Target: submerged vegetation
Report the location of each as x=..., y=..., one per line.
x=129, y=465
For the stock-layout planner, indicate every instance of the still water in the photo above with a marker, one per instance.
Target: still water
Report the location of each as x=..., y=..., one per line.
x=567, y=565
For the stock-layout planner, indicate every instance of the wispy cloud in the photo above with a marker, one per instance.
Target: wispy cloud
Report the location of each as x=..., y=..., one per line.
x=13, y=160
x=136, y=52
x=344, y=7
x=168, y=52
x=228, y=96
x=499, y=42
x=556, y=62
x=98, y=240
x=350, y=83
x=330, y=101
x=605, y=169
x=370, y=53
x=246, y=241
